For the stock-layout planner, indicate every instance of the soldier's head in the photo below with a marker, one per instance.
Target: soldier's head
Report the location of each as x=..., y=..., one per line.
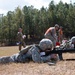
x=46, y=44
x=20, y=29
x=61, y=27
x=73, y=40
x=56, y=26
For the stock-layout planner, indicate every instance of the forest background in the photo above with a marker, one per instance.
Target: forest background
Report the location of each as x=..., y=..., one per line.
x=35, y=22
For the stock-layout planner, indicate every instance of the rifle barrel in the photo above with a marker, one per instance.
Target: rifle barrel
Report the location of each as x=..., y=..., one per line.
x=61, y=51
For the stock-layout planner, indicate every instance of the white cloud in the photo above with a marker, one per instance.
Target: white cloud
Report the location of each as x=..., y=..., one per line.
x=10, y=5
x=38, y=3
x=3, y=11
x=64, y=1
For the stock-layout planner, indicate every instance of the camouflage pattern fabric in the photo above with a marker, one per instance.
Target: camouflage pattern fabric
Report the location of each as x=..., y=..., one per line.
x=5, y=59
x=45, y=44
x=36, y=57
x=31, y=52
x=19, y=36
x=19, y=57
x=25, y=50
x=73, y=39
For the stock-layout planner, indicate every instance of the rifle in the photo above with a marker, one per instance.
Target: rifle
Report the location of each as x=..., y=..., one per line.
x=60, y=51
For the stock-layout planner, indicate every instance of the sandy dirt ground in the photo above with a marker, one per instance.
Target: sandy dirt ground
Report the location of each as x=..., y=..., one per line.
x=66, y=67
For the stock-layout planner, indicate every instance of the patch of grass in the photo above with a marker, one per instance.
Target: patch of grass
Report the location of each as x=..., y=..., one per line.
x=7, y=51
x=31, y=68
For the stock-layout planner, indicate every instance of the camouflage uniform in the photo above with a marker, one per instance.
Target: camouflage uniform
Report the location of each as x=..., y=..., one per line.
x=72, y=42
x=20, y=40
x=68, y=44
x=31, y=52
x=73, y=39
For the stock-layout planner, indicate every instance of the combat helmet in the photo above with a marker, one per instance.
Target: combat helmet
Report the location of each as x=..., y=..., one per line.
x=45, y=44
x=73, y=40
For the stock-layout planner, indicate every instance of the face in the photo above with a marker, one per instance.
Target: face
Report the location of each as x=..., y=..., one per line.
x=20, y=29
x=57, y=28
x=60, y=28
